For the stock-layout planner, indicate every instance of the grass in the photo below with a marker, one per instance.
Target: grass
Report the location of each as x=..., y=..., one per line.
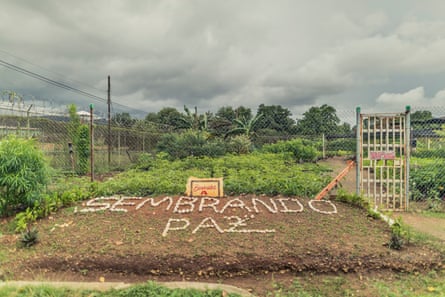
x=147, y=289
x=392, y=285
x=433, y=214
x=431, y=284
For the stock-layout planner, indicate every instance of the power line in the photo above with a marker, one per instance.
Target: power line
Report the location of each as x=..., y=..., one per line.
x=48, y=70
x=60, y=84
x=50, y=81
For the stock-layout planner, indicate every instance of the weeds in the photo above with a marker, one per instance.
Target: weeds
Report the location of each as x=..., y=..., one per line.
x=29, y=237
x=399, y=235
x=148, y=289
x=351, y=199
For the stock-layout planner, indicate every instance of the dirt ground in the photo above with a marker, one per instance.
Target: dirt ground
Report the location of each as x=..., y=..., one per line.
x=428, y=225
x=247, y=241
x=413, y=218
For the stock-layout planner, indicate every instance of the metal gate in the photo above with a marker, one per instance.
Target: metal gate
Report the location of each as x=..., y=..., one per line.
x=383, y=159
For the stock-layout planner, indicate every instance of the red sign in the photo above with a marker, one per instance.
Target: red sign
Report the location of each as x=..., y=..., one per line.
x=210, y=187
x=382, y=155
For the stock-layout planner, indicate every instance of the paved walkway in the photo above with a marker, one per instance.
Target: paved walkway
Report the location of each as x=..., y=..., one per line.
x=103, y=286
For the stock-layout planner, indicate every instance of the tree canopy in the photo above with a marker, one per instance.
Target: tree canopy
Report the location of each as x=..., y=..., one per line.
x=320, y=120
x=275, y=117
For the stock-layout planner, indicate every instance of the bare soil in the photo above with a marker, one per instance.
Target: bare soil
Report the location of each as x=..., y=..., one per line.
x=202, y=245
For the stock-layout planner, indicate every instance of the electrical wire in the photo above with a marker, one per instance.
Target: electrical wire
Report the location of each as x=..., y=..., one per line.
x=60, y=84
x=51, y=71
x=50, y=81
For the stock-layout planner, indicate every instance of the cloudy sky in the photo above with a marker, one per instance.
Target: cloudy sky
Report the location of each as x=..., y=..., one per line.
x=380, y=55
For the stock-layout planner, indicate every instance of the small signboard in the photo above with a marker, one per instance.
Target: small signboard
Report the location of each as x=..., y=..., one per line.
x=205, y=187
x=382, y=155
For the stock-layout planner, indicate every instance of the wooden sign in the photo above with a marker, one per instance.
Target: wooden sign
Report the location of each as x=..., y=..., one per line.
x=390, y=155
x=208, y=187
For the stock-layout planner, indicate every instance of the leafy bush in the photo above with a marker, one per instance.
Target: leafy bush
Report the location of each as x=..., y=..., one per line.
x=341, y=147
x=428, y=181
x=63, y=194
x=240, y=144
x=145, y=161
x=424, y=153
x=190, y=143
x=23, y=174
x=302, y=150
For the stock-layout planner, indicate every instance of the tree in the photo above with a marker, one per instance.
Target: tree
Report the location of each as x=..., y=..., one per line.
x=277, y=118
x=123, y=119
x=421, y=115
x=195, y=121
x=245, y=126
x=226, y=113
x=224, y=119
x=420, y=120
x=167, y=116
x=319, y=120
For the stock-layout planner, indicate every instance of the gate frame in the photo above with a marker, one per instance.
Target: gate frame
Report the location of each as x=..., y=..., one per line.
x=406, y=149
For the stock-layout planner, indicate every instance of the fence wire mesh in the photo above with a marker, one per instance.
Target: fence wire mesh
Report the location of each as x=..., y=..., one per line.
x=120, y=145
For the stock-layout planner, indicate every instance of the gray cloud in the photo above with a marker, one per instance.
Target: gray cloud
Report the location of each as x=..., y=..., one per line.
x=217, y=53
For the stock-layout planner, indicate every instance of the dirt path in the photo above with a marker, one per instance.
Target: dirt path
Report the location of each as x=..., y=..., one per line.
x=421, y=223
x=432, y=226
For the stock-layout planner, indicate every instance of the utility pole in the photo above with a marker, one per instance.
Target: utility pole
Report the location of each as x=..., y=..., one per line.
x=109, y=122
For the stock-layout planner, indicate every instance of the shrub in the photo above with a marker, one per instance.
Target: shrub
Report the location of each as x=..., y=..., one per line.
x=302, y=150
x=190, y=143
x=145, y=161
x=428, y=181
x=240, y=144
x=434, y=154
x=23, y=174
x=343, y=146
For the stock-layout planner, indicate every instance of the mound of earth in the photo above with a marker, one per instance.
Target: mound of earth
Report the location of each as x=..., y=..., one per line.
x=184, y=238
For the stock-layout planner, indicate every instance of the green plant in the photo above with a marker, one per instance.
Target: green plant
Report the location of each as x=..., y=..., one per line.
x=29, y=237
x=435, y=204
x=302, y=150
x=80, y=138
x=23, y=174
x=428, y=180
x=23, y=219
x=190, y=143
x=343, y=144
x=145, y=161
x=351, y=199
x=256, y=173
x=373, y=214
x=399, y=235
x=82, y=143
x=239, y=144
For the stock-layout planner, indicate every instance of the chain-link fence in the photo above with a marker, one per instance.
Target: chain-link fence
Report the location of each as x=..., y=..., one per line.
x=118, y=145
x=427, y=170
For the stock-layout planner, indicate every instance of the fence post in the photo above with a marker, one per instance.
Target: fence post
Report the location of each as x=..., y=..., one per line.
x=91, y=143
x=358, y=152
x=407, y=152
x=323, y=144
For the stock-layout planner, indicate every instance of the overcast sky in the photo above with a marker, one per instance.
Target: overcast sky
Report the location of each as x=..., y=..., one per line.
x=380, y=55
